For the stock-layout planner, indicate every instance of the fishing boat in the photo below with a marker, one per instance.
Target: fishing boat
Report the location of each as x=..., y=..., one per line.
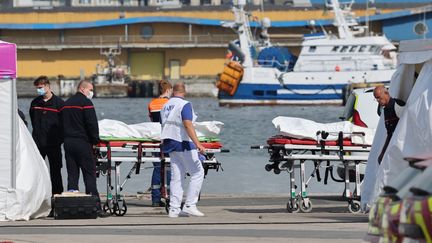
x=259, y=73
x=111, y=80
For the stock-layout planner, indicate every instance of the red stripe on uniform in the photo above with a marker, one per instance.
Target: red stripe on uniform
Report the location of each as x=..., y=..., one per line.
x=77, y=107
x=45, y=109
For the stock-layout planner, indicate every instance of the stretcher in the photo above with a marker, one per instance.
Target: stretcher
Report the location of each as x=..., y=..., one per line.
x=288, y=154
x=111, y=153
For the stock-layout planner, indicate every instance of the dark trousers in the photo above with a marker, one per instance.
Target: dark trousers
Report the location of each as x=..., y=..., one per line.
x=55, y=163
x=79, y=155
x=156, y=182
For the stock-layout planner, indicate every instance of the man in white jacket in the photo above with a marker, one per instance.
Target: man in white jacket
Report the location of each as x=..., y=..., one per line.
x=181, y=142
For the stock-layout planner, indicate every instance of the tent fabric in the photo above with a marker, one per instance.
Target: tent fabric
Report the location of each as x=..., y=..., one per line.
x=32, y=196
x=412, y=136
x=8, y=59
x=152, y=130
x=306, y=129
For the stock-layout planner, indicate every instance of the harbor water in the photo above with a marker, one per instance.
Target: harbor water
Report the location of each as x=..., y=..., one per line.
x=243, y=168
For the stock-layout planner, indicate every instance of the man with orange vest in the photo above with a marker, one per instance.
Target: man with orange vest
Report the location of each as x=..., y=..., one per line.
x=154, y=108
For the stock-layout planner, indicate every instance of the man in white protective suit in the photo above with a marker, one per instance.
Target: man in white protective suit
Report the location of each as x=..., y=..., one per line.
x=181, y=142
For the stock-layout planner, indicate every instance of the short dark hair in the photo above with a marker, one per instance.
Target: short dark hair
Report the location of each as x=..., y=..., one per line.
x=83, y=84
x=41, y=80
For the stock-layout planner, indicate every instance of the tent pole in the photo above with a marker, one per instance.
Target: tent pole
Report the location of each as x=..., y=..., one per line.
x=14, y=133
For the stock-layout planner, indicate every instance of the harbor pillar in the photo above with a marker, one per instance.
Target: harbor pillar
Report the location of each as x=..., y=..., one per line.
x=195, y=2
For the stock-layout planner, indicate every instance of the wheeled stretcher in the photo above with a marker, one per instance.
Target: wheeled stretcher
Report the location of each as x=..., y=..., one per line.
x=288, y=154
x=112, y=153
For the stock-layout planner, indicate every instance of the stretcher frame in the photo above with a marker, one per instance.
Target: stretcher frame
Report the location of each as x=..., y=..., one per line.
x=110, y=158
x=288, y=157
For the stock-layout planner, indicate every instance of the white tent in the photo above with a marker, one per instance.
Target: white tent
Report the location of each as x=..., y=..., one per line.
x=413, y=134
x=25, y=188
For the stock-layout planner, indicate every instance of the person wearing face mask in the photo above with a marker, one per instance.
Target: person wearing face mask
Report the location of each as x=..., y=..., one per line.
x=48, y=130
x=81, y=133
x=154, y=109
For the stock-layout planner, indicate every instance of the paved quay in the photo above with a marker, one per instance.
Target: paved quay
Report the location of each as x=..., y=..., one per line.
x=228, y=219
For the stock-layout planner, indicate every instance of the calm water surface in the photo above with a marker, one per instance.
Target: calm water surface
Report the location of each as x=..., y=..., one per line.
x=243, y=168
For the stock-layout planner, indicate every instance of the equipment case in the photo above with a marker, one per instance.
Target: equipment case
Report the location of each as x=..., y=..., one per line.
x=80, y=206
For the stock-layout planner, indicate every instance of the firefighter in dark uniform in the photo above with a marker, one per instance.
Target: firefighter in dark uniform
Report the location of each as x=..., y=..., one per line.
x=392, y=108
x=48, y=130
x=154, y=108
x=81, y=133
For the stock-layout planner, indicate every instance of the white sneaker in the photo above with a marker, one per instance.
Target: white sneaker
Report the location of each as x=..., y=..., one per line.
x=173, y=212
x=192, y=210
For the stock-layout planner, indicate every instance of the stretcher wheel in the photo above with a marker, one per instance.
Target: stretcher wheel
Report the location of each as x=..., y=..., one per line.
x=277, y=171
x=293, y=208
x=167, y=205
x=354, y=206
x=120, y=211
x=107, y=208
x=306, y=208
x=268, y=167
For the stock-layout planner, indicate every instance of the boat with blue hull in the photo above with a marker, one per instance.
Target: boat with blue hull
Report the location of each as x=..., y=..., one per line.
x=259, y=73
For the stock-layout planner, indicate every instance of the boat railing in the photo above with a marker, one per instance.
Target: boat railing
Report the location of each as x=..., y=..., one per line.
x=283, y=67
x=372, y=63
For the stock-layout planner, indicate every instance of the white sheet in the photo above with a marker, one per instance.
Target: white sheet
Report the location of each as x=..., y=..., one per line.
x=32, y=196
x=306, y=129
x=152, y=130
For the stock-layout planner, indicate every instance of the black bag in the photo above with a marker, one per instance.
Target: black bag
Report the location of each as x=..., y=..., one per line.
x=75, y=207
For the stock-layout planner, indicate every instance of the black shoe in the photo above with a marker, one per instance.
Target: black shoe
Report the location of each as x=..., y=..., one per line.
x=103, y=214
x=158, y=204
x=51, y=214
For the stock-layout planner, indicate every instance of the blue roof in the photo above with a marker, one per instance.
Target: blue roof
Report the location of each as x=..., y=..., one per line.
x=196, y=21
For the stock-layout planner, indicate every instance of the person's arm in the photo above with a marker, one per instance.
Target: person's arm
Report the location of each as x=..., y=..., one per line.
x=187, y=117
x=192, y=134
x=91, y=123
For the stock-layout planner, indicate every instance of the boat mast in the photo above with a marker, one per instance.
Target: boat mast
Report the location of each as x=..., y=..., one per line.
x=342, y=19
x=244, y=32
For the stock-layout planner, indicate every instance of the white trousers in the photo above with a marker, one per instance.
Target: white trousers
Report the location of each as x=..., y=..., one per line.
x=182, y=163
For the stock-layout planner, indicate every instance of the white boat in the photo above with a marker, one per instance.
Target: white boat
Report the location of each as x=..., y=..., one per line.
x=326, y=66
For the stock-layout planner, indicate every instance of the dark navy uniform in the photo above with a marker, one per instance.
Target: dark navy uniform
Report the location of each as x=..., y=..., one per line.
x=48, y=135
x=154, y=108
x=391, y=120
x=81, y=132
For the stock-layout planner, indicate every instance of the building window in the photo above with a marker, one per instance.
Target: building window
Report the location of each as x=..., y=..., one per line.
x=146, y=32
x=353, y=49
x=420, y=28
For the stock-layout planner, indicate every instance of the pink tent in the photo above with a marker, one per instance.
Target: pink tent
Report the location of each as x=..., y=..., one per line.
x=7, y=60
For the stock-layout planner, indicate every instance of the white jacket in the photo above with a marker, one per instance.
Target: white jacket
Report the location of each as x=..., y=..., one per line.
x=172, y=123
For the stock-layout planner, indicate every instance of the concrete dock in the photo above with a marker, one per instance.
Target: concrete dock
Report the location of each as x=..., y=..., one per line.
x=227, y=219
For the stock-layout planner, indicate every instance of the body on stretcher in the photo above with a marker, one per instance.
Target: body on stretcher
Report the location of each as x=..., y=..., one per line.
x=113, y=153
x=288, y=154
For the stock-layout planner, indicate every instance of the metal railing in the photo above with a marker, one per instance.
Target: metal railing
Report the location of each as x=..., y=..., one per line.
x=109, y=40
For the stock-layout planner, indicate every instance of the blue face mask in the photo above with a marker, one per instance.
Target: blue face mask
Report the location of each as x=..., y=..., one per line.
x=41, y=91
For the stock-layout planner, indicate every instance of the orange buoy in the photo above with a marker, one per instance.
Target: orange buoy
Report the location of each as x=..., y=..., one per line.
x=230, y=78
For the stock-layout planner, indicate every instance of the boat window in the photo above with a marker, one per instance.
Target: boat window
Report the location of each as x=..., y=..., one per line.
x=353, y=48
x=271, y=92
x=372, y=48
x=362, y=49
x=335, y=49
x=312, y=48
x=258, y=92
x=344, y=49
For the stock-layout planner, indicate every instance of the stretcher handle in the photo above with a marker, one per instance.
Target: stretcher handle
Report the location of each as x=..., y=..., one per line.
x=259, y=147
x=225, y=150
x=325, y=134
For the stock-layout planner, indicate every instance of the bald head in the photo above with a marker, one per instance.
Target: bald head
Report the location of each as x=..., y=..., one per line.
x=382, y=95
x=179, y=89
